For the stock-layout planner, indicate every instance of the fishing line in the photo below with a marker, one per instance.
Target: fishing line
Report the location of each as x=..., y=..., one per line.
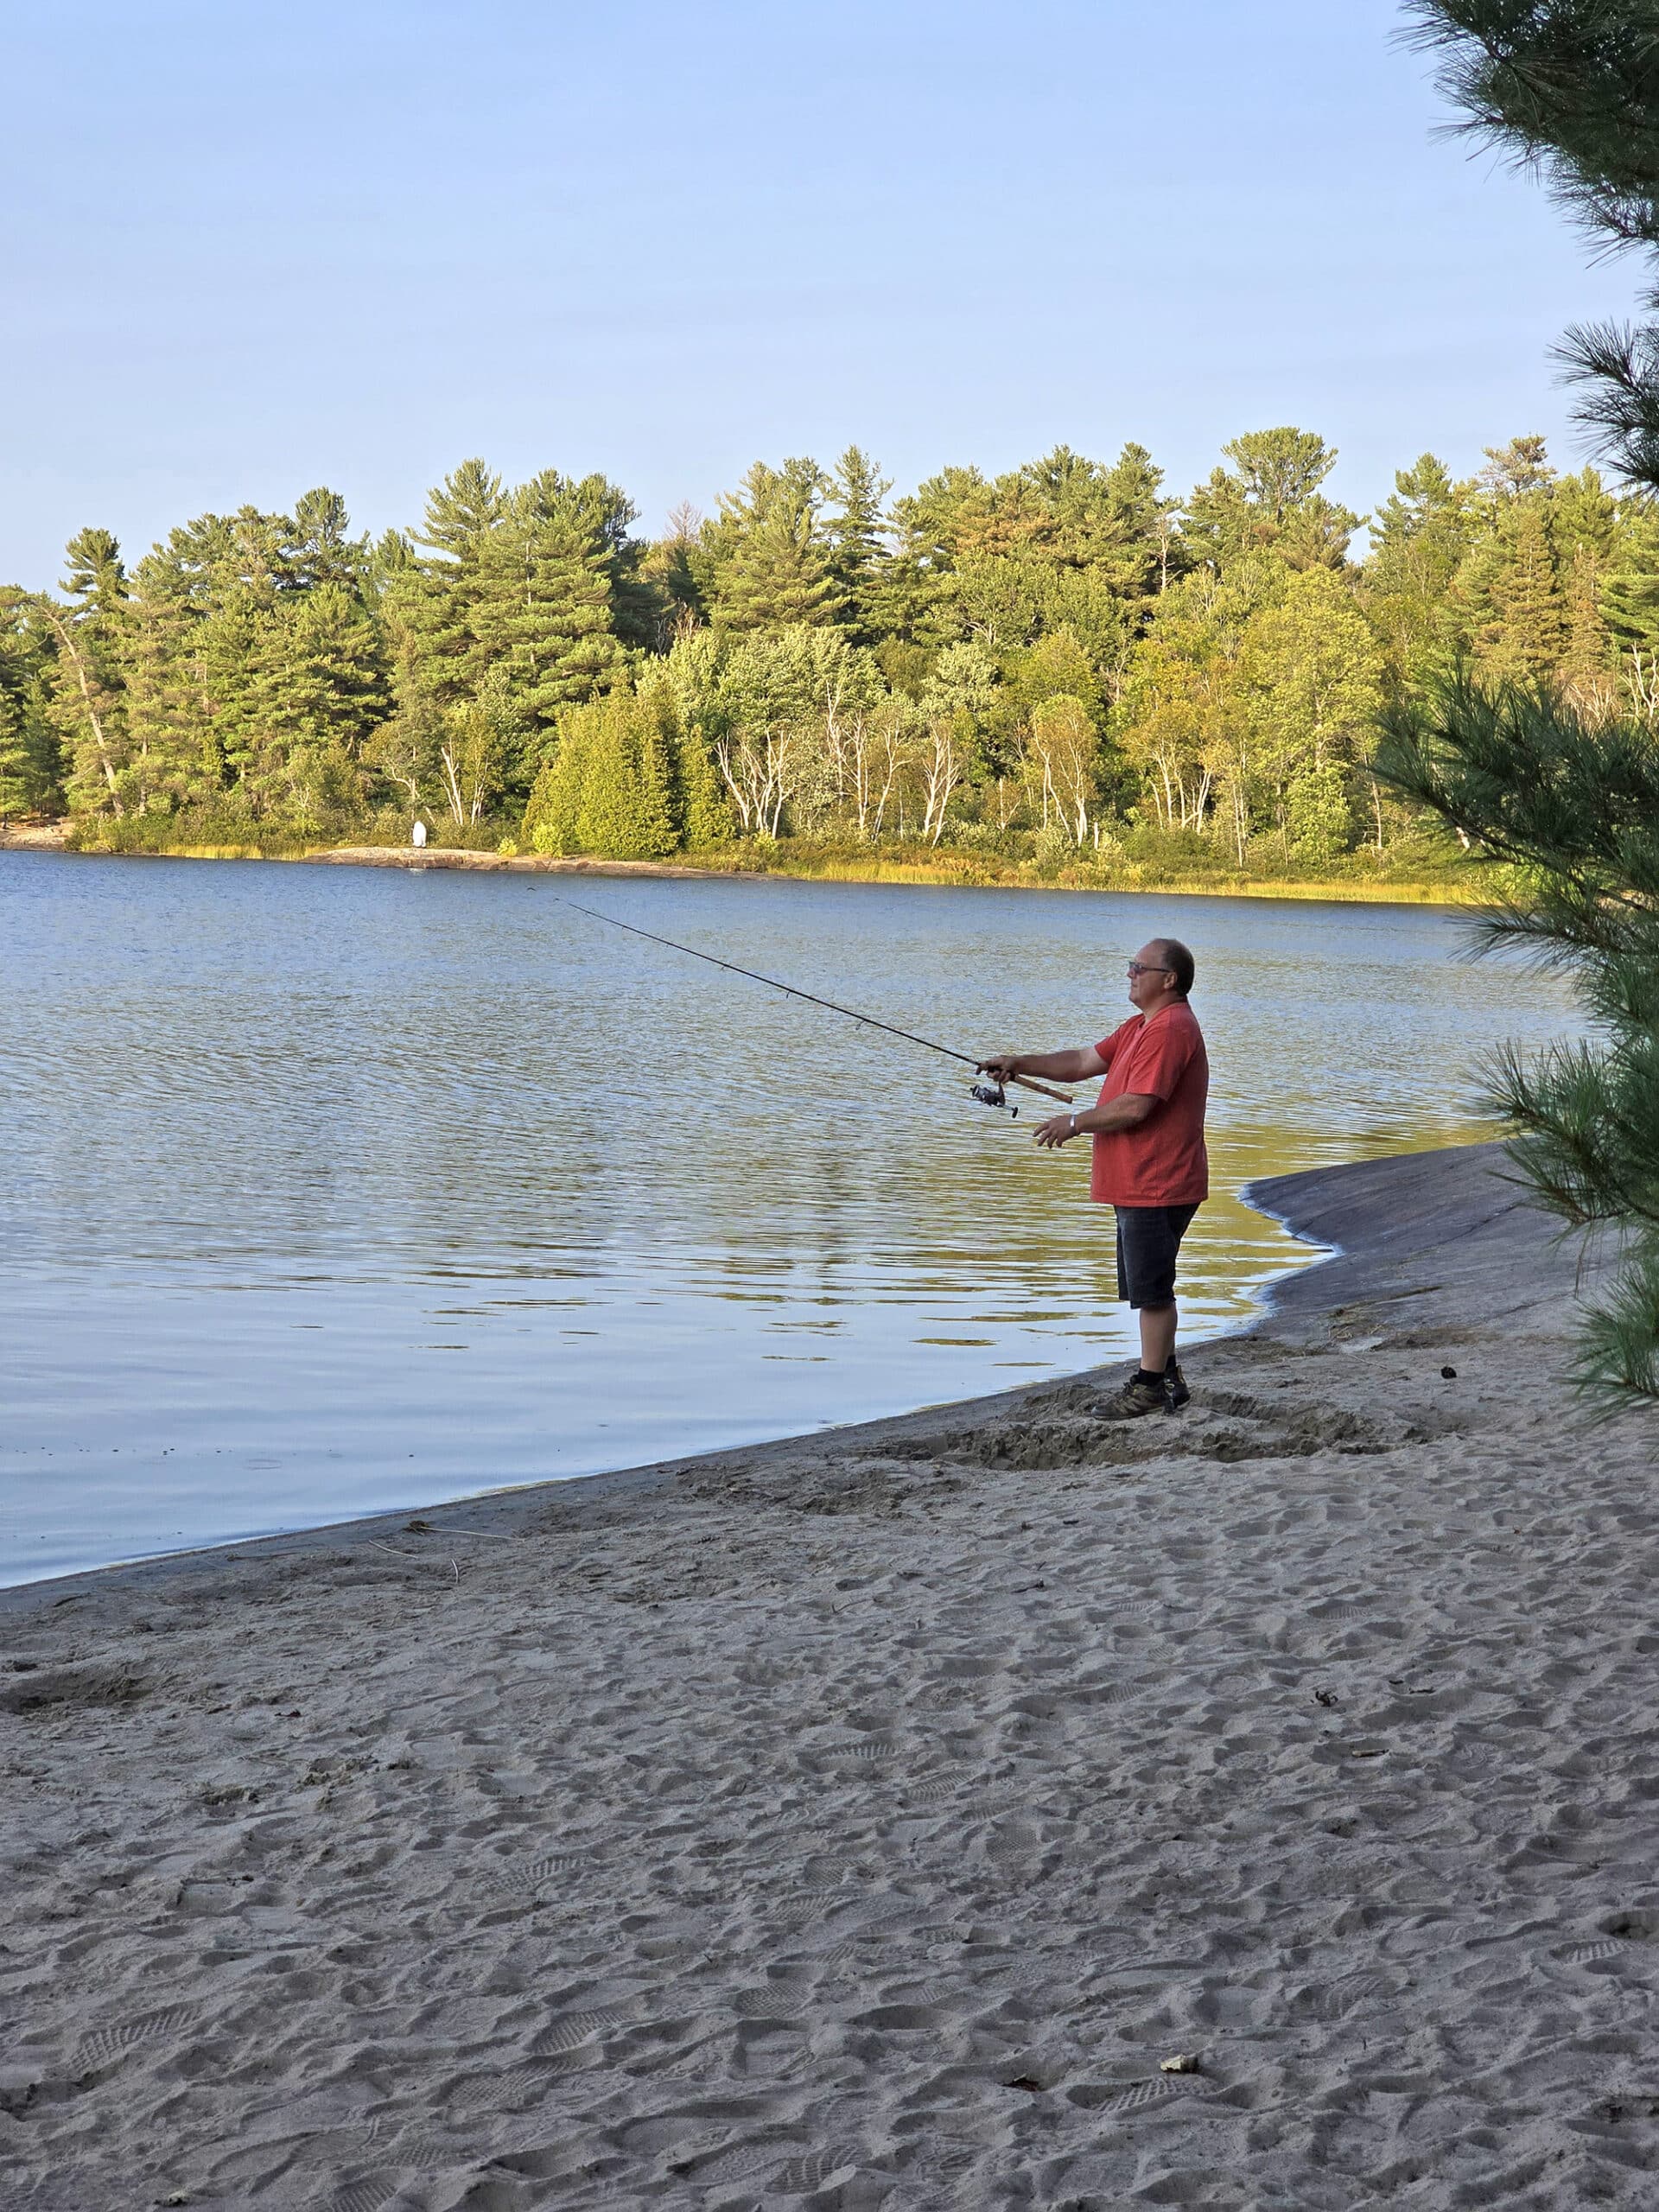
x=987, y=1094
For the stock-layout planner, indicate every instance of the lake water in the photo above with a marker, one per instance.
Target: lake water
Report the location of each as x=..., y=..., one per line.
x=330, y=1190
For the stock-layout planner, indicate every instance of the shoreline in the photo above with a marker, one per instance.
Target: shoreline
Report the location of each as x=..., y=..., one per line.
x=872, y=1819
x=1349, y=1208
x=1325, y=1197
x=1342, y=891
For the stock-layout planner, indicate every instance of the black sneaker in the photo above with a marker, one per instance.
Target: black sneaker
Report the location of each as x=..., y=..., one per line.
x=1134, y=1399
x=1175, y=1381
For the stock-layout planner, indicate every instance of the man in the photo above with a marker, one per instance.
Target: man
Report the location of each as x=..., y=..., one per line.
x=1149, y=1163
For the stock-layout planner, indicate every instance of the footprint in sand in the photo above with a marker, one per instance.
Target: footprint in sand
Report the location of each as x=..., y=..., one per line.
x=735, y=2163
x=1136, y=2096
x=422, y=2148
x=537, y=1873
x=366, y=2195
x=813, y=2171
x=860, y=1756
x=1589, y=1955
x=104, y=2045
x=574, y=2029
x=1337, y=1998
x=775, y=2002
x=934, y=1791
x=1639, y=1927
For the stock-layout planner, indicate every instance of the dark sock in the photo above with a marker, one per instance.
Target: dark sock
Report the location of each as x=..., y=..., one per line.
x=1169, y=1365
x=1141, y=1375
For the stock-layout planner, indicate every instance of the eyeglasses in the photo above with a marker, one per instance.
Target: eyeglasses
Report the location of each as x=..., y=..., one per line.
x=1148, y=968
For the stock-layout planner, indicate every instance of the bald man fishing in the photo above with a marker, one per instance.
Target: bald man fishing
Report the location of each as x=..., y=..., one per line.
x=1150, y=1166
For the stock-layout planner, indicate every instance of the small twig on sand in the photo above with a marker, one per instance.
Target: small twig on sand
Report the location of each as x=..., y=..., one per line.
x=414, y=1558
x=431, y=1529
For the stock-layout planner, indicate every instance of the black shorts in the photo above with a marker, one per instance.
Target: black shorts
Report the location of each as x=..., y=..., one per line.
x=1148, y=1239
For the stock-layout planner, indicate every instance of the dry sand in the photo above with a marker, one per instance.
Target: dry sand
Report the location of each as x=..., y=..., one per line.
x=864, y=1820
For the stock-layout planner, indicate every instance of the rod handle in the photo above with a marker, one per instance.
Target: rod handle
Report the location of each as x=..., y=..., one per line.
x=1025, y=1083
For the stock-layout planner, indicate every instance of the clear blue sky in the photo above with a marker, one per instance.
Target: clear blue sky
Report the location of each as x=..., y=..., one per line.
x=257, y=249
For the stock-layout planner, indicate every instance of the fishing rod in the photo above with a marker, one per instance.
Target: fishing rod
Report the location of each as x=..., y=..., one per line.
x=987, y=1094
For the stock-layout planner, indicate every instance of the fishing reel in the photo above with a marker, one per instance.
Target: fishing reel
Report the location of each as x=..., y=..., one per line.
x=986, y=1092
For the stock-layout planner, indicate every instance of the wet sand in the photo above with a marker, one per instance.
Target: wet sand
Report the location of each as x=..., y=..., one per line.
x=871, y=1819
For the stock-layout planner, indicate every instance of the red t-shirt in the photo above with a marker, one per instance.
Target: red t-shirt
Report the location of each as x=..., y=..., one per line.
x=1163, y=1163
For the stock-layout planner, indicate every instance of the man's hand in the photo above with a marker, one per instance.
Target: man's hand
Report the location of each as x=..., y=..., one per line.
x=1000, y=1066
x=1052, y=1134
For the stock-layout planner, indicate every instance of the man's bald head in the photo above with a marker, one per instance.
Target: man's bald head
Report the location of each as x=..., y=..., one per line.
x=1175, y=956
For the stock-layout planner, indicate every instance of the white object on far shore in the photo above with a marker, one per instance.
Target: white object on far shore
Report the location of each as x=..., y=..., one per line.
x=417, y=836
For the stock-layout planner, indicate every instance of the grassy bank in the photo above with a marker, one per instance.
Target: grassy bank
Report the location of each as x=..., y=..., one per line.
x=1455, y=887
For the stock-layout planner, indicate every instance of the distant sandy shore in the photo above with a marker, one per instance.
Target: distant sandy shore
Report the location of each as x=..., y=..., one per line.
x=516, y=864
x=876, y=1819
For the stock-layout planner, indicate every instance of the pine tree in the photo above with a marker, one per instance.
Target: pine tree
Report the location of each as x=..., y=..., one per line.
x=402, y=750
x=1147, y=554
x=770, y=557
x=857, y=536
x=86, y=701
x=463, y=511
x=601, y=514
x=325, y=691
x=1572, y=804
x=1566, y=86
x=184, y=676
x=1571, y=800
x=1419, y=538
x=543, y=608
x=1079, y=518
x=1631, y=588
x=1514, y=471
x=323, y=552
x=31, y=757
x=1584, y=517
x=14, y=762
x=675, y=569
x=1269, y=500
x=1588, y=664
x=1526, y=637
x=440, y=594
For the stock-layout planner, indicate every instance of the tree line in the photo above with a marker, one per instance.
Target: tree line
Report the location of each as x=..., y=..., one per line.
x=1045, y=662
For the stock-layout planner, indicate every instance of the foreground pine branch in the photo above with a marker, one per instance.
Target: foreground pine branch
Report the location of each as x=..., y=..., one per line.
x=1573, y=805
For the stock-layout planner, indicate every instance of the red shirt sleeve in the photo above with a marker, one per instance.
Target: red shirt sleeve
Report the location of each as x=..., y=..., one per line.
x=1108, y=1045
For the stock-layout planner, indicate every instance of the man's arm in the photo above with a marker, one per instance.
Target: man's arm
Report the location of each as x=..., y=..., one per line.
x=1056, y=1067
x=1125, y=1113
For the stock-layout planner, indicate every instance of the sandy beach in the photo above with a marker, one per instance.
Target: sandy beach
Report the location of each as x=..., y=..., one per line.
x=994, y=1807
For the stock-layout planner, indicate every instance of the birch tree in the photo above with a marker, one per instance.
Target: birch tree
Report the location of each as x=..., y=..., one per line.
x=1064, y=750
